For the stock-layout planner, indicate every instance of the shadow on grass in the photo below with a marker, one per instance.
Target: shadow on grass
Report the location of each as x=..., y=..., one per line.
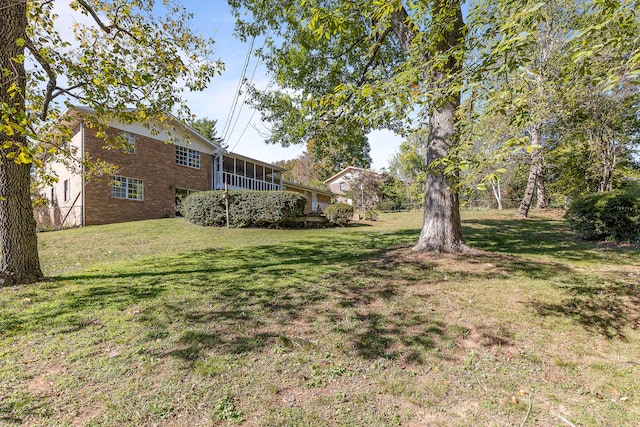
x=536, y=237
x=603, y=307
x=244, y=299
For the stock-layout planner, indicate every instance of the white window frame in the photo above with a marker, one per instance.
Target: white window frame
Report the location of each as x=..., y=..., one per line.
x=66, y=185
x=130, y=139
x=121, y=187
x=187, y=157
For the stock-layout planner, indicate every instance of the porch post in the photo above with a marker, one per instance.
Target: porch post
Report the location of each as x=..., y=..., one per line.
x=221, y=170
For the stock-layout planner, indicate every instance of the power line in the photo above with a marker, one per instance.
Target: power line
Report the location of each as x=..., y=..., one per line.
x=225, y=130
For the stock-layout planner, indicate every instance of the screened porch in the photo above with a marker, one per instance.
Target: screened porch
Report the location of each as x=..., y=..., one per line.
x=242, y=173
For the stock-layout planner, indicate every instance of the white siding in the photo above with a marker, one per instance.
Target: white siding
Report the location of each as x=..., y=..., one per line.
x=183, y=139
x=59, y=208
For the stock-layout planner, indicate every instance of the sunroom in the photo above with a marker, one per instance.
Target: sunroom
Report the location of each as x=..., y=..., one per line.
x=243, y=173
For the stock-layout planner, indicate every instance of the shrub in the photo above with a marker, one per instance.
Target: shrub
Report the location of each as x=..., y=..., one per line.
x=246, y=208
x=371, y=215
x=613, y=215
x=339, y=213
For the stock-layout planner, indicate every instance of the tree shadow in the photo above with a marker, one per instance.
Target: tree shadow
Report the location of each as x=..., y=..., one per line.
x=243, y=299
x=603, y=307
x=538, y=237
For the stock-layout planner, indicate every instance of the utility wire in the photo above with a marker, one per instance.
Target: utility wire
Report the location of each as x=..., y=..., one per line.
x=227, y=124
x=255, y=68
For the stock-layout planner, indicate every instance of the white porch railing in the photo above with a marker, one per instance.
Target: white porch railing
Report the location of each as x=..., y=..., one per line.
x=238, y=182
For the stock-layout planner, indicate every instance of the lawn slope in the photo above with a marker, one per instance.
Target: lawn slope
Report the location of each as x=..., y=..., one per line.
x=165, y=323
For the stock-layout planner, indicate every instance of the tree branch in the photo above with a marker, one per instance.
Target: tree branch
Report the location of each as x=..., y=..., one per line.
x=106, y=28
x=51, y=84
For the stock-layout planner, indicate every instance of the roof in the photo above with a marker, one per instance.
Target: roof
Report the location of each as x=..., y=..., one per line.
x=346, y=171
x=307, y=188
x=175, y=121
x=249, y=159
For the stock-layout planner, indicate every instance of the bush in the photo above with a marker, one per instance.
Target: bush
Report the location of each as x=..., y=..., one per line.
x=339, y=214
x=246, y=208
x=613, y=215
x=371, y=215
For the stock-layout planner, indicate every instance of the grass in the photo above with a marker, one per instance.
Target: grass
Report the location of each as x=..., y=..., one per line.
x=165, y=323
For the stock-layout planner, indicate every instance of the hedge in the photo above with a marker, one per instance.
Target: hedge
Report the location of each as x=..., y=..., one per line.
x=613, y=215
x=265, y=209
x=339, y=213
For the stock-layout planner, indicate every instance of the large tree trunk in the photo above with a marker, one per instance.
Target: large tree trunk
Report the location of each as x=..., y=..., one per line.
x=20, y=262
x=442, y=229
x=534, y=172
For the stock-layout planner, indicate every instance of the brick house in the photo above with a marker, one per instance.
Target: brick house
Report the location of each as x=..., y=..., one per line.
x=152, y=175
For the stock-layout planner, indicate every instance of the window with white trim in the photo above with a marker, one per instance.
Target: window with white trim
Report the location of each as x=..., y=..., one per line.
x=130, y=141
x=127, y=188
x=187, y=157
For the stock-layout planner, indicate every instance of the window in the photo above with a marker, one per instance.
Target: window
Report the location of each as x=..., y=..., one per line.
x=66, y=190
x=187, y=157
x=127, y=188
x=76, y=129
x=130, y=141
x=343, y=187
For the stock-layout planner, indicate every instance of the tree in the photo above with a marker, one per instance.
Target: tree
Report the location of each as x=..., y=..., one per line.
x=207, y=128
x=124, y=64
x=332, y=152
x=302, y=169
x=409, y=164
x=592, y=144
x=378, y=64
x=527, y=45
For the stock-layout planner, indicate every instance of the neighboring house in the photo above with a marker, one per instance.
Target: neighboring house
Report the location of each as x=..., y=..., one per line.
x=151, y=177
x=340, y=183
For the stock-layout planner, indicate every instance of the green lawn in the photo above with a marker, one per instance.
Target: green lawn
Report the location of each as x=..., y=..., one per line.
x=165, y=323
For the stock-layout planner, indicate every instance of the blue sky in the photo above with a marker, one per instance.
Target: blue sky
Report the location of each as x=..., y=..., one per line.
x=212, y=18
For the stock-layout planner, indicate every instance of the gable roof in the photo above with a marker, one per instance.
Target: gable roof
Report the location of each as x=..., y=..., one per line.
x=73, y=111
x=307, y=188
x=345, y=171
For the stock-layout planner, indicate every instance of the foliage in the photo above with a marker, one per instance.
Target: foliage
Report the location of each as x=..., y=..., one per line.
x=409, y=165
x=207, y=128
x=127, y=60
x=613, y=215
x=345, y=68
x=246, y=208
x=593, y=143
x=339, y=213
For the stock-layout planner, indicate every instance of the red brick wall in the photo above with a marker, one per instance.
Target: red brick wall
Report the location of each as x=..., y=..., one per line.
x=153, y=162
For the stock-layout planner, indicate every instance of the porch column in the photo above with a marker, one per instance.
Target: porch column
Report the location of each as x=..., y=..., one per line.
x=221, y=172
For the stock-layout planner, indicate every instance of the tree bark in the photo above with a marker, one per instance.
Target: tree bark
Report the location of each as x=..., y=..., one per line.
x=534, y=171
x=442, y=228
x=20, y=262
x=541, y=195
x=497, y=192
